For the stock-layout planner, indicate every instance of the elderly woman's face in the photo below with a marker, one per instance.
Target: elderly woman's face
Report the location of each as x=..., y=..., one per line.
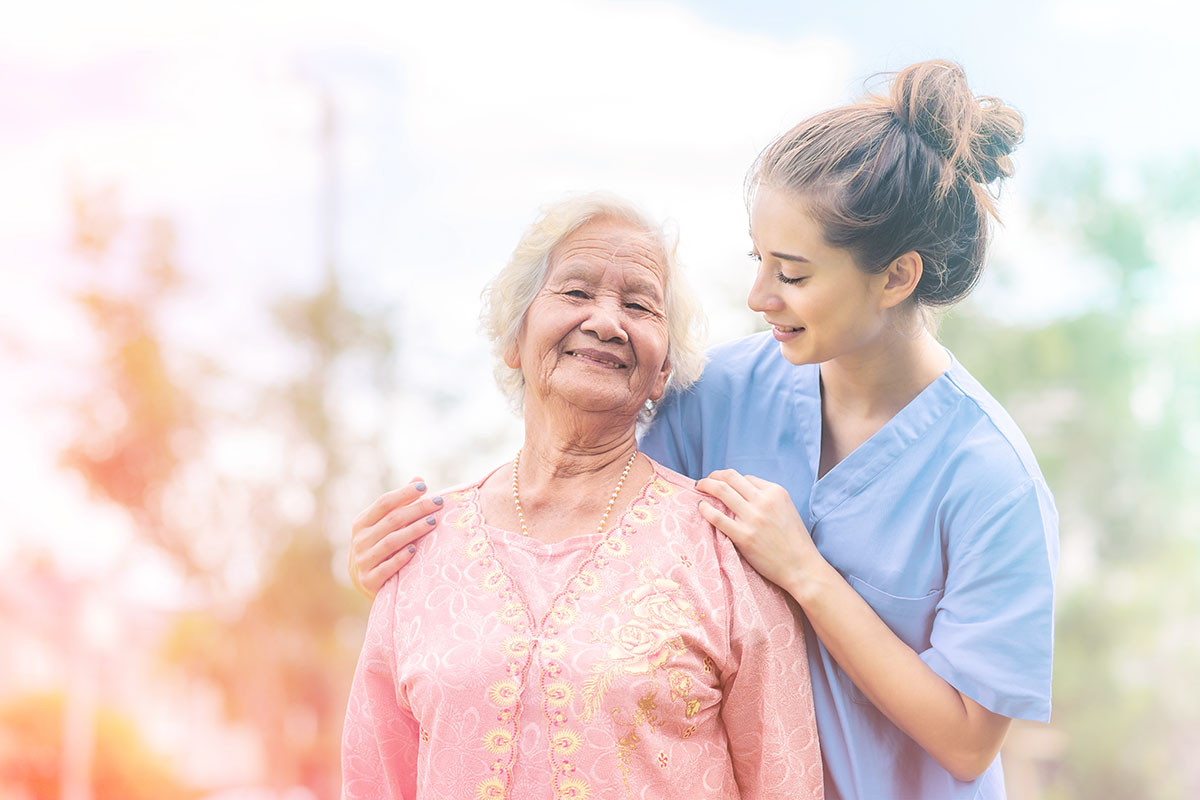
x=596, y=333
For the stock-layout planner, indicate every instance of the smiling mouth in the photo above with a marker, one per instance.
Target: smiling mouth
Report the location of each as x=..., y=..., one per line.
x=597, y=358
x=786, y=329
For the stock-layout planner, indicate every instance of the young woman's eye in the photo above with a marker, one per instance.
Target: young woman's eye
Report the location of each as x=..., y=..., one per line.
x=754, y=256
x=779, y=276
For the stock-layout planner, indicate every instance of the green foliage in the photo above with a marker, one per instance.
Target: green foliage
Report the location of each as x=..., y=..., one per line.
x=1106, y=405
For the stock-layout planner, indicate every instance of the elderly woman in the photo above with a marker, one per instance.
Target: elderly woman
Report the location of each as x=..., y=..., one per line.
x=573, y=627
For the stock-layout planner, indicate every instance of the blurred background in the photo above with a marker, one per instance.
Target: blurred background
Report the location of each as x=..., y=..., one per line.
x=242, y=246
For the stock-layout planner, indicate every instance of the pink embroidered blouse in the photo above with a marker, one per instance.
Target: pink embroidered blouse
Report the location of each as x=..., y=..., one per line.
x=648, y=661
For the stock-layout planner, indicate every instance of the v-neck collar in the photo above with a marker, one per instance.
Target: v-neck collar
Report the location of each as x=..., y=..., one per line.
x=857, y=470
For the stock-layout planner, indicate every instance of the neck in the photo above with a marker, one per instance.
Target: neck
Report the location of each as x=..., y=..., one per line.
x=880, y=380
x=565, y=440
x=548, y=457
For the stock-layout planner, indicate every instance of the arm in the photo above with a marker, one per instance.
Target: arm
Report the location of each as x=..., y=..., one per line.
x=380, y=740
x=959, y=733
x=767, y=709
x=381, y=537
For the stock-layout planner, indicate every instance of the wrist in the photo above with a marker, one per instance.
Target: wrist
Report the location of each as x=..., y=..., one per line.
x=810, y=579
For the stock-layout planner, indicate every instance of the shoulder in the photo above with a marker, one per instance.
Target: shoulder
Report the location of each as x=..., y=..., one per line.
x=705, y=540
x=989, y=465
x=735, y=368
x=752, y=357
x=992, y=428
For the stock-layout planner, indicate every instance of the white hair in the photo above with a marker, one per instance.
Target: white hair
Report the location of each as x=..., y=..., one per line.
x=507, y=298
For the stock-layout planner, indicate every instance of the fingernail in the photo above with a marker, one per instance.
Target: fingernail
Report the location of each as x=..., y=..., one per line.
x=420, y=486
x=431, y=520
x=412, y=548
x=437, y=501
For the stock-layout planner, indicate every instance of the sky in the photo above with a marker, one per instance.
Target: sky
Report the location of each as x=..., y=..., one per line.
x=454, y=122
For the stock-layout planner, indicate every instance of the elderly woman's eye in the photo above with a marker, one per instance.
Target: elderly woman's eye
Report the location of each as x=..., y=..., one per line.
x=576, y=293
x=637, y=306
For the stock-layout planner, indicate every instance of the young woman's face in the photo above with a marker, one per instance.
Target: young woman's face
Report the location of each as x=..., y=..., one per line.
x=819, y=304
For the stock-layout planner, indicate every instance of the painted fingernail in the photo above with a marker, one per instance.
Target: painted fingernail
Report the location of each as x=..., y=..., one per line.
x=431, y=520
x=420, y=487
x=412, y=548
x=437, y=501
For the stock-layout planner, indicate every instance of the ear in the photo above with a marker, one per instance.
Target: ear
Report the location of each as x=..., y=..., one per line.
x=900, y=279
x=660, y=382
x=512, y=354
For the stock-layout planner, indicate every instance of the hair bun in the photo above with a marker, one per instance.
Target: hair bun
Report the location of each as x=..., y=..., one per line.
x=974, y=134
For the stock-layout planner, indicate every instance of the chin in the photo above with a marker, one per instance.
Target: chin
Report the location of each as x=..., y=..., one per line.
x=796, y=355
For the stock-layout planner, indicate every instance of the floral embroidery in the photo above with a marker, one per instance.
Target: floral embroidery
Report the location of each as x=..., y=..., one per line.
x=587, y=581
x=554, y=648
x=574, y=789
x=562, y=614
x=663, y=762
x=560, y=693
x=641, y=645
x=503, y=693
x=497, y=740
x=680, y=682
x=491, y=582
x=647, y=713
x=565, y=742
x=491, y=789
x=644, y=643
x=516, y=646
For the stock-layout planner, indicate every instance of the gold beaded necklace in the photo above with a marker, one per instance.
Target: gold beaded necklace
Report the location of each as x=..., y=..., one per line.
x=611, y=501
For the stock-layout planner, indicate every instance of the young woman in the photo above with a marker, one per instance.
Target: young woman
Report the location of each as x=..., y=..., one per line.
x=865, y=471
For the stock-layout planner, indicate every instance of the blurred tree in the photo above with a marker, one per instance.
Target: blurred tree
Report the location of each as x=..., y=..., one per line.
x=284, y=656
x=124, y=767
x=132, y=415
x=1107, y=399
x=281, y=650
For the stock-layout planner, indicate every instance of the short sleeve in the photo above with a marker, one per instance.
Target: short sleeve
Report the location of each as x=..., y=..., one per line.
x=993, y=630
x=768, y=708
x=380, y=739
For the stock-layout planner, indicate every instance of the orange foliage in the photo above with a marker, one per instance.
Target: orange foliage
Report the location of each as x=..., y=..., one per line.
x=123, y=768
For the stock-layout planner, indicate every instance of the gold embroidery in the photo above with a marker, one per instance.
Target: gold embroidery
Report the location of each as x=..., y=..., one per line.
x=566, y=742
x=560, y=693
x=519, y=649
x=497, y=741
x=490, y=789
x=492, y=581
x=644, y=643
x=645, y=713
x=553, y=648
x=503, y=693
x=573, y=789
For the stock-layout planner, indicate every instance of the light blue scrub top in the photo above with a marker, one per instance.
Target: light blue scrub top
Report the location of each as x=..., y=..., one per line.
x=941, y=521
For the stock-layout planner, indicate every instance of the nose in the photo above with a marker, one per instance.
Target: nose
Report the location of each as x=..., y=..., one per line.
x=606, y=321
x=762, y=297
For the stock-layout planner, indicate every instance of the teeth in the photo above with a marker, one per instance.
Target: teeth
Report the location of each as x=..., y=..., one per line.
x=597, y=360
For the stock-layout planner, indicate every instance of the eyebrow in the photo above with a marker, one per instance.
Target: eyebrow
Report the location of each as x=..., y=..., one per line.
x=635, y=286
x=782, y=256
x=786, y=257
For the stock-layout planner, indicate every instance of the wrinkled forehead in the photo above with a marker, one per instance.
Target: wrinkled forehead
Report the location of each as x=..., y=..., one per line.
x=602, y=242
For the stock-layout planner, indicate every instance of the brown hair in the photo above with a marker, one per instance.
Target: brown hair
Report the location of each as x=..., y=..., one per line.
x=904, y=172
